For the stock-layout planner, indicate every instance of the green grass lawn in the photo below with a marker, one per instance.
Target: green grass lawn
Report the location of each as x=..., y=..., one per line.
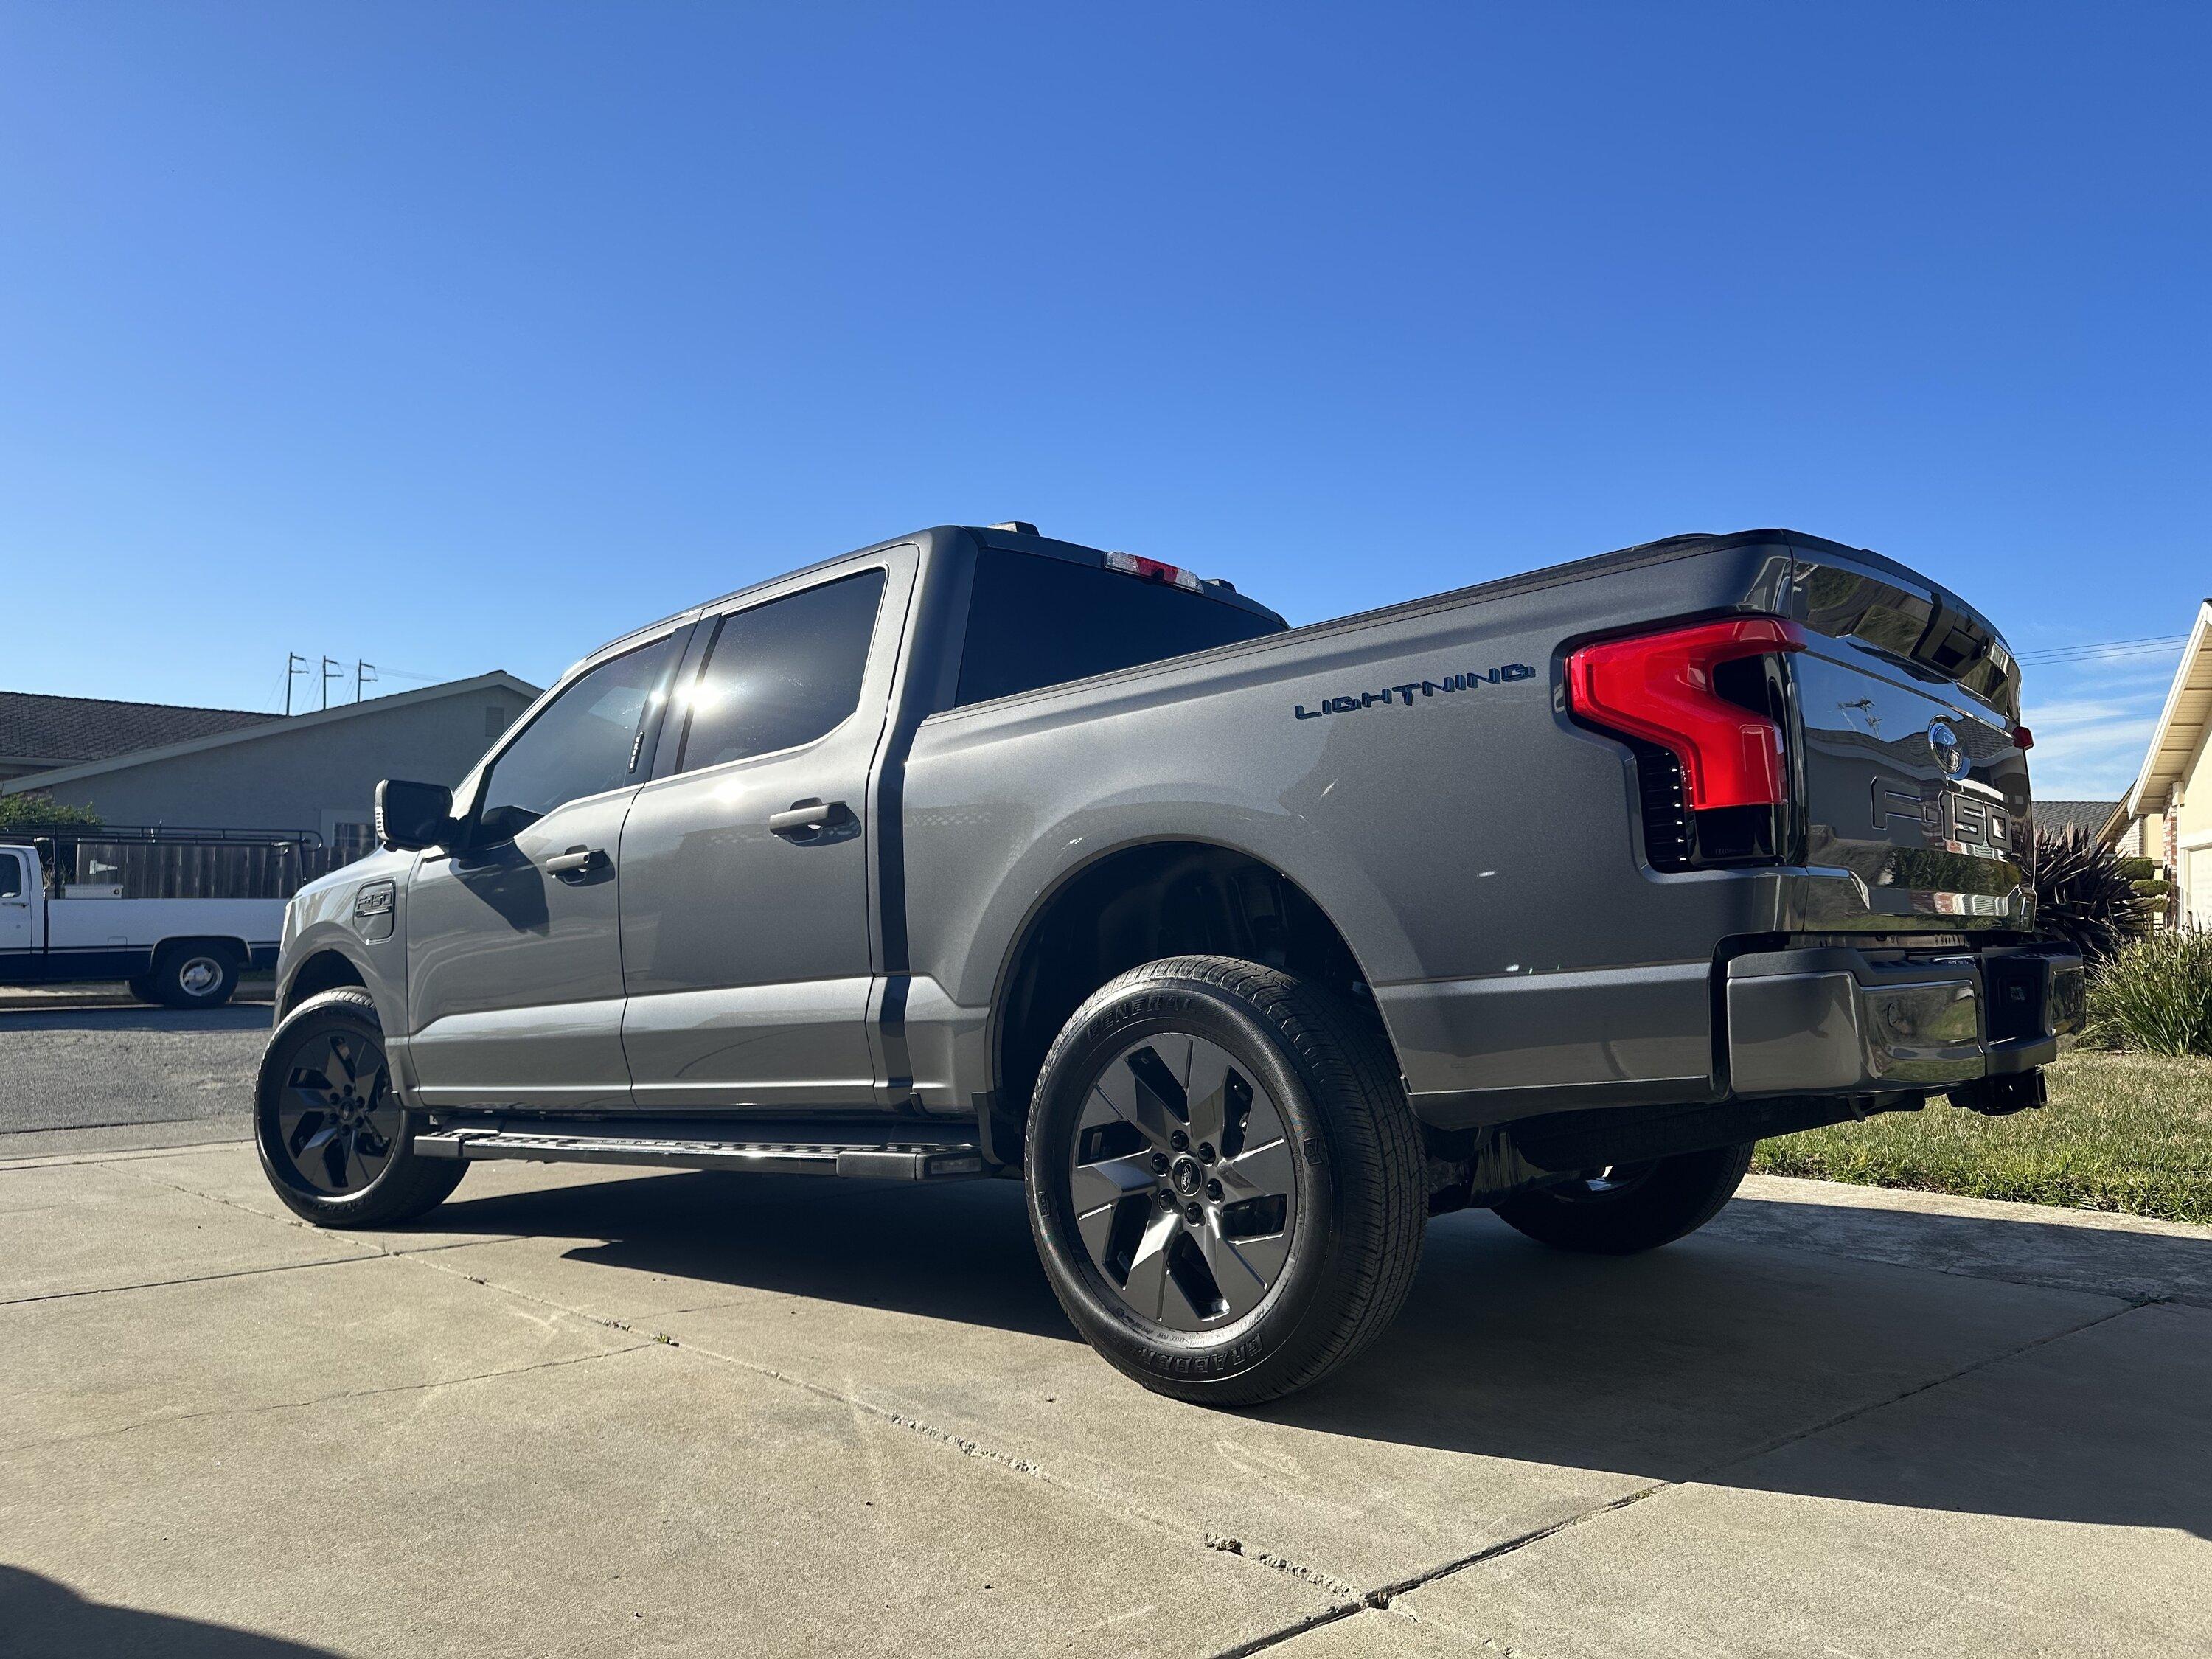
x=2122, y=1132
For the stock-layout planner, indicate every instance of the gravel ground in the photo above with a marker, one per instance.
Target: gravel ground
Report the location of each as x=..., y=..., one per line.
x=77, y=1069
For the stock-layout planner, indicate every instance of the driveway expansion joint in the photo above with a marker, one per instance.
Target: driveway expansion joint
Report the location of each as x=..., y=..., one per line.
x=1385, y=1597
x=336, y=1396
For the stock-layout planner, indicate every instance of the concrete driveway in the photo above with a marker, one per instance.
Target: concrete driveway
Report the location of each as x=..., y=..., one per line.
x=586, y=1412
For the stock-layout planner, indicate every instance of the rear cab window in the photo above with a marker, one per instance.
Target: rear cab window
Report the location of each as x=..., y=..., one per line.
x=1035, y=620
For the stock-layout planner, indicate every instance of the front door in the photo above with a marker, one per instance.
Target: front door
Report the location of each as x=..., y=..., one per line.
x=745, y=912
x=514, y=942
x=15, y=901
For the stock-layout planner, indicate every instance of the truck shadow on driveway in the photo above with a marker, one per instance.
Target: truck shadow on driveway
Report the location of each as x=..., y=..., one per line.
x=45, y=1619
x=1730, y=1358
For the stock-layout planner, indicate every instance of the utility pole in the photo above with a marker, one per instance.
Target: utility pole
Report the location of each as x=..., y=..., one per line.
x=362, y=671
x=294, y=666
x=329, y=663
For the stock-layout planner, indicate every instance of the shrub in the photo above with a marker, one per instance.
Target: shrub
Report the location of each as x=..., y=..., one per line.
x=2084, y=896
x=2155, y=995
x=35, y=809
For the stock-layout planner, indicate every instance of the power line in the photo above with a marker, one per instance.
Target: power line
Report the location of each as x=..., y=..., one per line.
x=2104, y=649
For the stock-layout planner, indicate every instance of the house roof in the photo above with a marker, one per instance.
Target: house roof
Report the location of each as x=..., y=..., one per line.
x=2088, y=816
x=2181, y=723
x=265, y=725
x=63, y=731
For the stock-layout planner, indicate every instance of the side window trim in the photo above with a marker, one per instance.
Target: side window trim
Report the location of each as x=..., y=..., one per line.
x=647, y=745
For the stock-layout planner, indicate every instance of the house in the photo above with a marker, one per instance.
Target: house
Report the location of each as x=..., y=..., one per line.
x=2167, y=814
x=230, y=768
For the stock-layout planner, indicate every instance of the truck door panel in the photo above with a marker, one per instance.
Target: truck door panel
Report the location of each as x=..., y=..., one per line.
x=748, y=958
x=513, y=943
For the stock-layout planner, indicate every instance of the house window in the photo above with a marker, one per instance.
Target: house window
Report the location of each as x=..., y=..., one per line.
x=496, y=720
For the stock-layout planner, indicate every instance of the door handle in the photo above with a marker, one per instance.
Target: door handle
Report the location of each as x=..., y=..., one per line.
x=576, y=861
x=805, y=817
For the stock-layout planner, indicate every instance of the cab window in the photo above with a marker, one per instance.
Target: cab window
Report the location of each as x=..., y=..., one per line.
x=783, y=673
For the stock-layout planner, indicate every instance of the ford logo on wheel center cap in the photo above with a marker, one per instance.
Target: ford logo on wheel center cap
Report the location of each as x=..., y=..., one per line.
x=1950, y=753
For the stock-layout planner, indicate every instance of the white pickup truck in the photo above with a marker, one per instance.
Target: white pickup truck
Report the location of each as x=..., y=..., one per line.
x=178, y=915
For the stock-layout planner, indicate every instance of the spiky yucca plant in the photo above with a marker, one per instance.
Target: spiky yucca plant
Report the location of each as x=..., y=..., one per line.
x=2084, y=896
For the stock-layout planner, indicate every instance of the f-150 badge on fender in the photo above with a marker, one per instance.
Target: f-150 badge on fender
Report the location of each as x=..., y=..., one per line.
x=1450, y=683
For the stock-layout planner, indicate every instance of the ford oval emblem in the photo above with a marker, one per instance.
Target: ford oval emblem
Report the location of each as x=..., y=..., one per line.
x=1950, y=753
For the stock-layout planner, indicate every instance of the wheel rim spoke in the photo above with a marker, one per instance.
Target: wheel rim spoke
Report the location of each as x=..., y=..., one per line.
x=1154, y=1072
x=1147, y=1285
x=1101, y=1185
x=1206, y=1091
x=1263, y=1172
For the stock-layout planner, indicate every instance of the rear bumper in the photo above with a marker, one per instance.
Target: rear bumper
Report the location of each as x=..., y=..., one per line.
x=1834, y=1020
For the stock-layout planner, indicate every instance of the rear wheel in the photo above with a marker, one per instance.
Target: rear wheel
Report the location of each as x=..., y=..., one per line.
x=141, y=985
x=194, y=975
x=1628, y=1207
x=1225, y=1181
x=334, y=1142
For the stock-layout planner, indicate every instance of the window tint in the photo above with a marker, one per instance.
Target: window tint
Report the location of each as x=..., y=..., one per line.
x=11, y=876
x=1036, y=621
x=586, y=740
x=783, y=673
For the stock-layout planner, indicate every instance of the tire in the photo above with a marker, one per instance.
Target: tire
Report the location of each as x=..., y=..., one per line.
x=1305, y=1098
x=194, y=975
x=1632, y=1207
x=141, y=985
x=337, y=1148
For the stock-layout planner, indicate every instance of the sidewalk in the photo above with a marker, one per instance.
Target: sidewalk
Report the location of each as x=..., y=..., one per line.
x=600, y=1411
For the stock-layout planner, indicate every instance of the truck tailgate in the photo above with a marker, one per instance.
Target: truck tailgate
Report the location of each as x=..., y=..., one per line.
x=1913, y=781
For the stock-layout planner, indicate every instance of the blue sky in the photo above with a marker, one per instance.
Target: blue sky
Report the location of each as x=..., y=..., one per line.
x=455, y=337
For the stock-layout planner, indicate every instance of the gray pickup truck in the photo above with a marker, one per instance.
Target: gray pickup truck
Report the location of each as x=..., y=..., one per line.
x=1249, y=948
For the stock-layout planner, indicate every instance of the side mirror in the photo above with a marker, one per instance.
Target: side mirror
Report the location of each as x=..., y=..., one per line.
x=412, y=816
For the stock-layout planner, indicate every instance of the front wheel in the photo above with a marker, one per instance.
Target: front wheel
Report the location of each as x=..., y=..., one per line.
x=1628, y=1207
x=1225, y=1183
x=334, y=1142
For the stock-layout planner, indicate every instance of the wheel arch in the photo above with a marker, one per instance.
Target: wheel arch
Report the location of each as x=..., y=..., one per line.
x=1138, y=901
x=323, y=969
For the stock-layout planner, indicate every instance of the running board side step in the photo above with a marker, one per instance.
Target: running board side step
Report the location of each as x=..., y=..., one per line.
x=894, y=1161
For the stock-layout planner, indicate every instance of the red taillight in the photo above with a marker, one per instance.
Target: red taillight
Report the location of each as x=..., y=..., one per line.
x=1659, y=687
x=2022, y=738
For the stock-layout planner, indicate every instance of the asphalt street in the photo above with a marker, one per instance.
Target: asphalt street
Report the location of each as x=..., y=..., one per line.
x=72, y=1076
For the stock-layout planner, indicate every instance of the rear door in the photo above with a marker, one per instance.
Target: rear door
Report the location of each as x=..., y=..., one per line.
x=749, y=956
x=513, y=945
x=1914, y=783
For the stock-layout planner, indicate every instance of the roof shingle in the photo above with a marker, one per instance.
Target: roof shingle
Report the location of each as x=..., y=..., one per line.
x=70, y=729
x=2086, y=815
